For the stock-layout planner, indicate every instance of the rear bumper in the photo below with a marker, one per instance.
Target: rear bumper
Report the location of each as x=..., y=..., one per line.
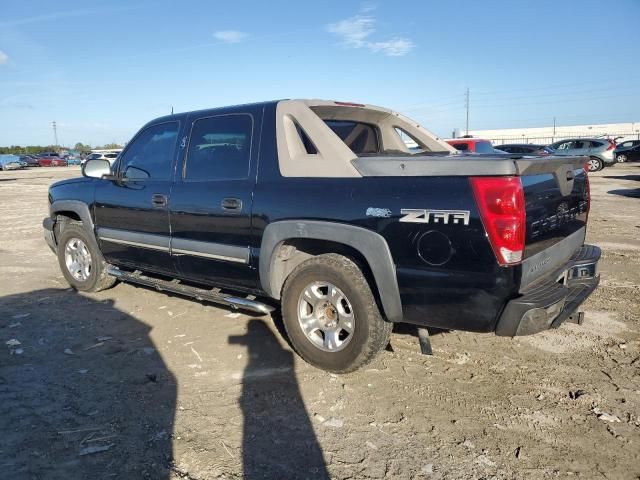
x=549, y=304
x=49, y=236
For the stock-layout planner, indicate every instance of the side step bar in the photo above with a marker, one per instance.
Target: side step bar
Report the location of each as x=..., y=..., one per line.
x=201, y=294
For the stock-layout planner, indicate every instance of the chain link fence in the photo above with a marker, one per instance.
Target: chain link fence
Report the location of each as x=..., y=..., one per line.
x=546, y=140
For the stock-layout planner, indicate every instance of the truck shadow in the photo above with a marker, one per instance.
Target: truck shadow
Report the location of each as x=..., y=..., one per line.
x=626, y=192
x=84, y=394
x=278, y=439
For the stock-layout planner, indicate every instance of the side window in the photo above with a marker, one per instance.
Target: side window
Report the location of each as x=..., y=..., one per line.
x=149, y=156
x=219, y=148
x=595, y=144
x=579, y=144
x=563, y=146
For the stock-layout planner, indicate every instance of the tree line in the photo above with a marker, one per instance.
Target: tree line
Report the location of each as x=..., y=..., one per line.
x=35, y=149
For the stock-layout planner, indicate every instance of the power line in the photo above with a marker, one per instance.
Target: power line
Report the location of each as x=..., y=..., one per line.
x=552, y=87
x=557, y=101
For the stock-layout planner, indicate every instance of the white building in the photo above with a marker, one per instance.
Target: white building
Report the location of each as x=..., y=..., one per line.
x=546, y=135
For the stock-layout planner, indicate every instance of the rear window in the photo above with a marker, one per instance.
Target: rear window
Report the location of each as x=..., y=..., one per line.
x=359, y=137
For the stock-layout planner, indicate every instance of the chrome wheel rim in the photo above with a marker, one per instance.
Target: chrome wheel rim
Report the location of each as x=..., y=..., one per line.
x=77, y=258
x=594, y=164
x=622, y=158
x=326, y=316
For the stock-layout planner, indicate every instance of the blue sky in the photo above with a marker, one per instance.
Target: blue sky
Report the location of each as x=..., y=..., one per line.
x=102, y=69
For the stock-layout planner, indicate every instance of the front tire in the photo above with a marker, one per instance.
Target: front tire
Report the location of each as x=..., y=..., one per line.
x=621, y=158
x=80, y=260
x=331, y=316
x=595, y=164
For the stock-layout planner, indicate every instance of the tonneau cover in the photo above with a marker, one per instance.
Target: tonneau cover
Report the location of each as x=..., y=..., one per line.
x=461, y=165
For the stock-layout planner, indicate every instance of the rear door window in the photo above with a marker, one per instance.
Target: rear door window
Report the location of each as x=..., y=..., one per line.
x=594, y=144
x=219, y=148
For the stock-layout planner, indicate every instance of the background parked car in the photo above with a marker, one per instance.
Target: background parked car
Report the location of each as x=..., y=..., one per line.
x=472, y=145
x=73, y=160
x=10, y=162
x=109, y=156
x=628, y=151
x=51, y=160
x=599, y=151
x=526, y=149
x=30, y=160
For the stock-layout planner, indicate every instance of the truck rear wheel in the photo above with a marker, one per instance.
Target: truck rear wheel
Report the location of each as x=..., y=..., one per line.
x=80, y=260
x=331, y=315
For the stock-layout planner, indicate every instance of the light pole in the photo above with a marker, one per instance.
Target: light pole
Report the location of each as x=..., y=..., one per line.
x=55, y=132
x=467, y=105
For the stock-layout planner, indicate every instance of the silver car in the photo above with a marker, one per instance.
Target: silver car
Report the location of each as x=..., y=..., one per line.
x=10, y=162
x=600, y=151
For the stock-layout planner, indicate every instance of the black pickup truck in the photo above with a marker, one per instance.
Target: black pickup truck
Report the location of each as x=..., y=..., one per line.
x=321, y=207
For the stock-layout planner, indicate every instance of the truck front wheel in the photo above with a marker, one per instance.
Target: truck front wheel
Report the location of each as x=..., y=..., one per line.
x=80, y=261
x=331, y=315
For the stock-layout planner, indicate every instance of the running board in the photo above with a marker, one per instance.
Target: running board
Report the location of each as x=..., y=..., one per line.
x=201, y=294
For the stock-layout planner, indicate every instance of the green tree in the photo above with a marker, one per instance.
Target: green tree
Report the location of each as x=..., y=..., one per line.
x=82, y=148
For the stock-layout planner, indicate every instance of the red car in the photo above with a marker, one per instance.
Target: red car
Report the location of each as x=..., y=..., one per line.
x=51, y=160
x=471, y=145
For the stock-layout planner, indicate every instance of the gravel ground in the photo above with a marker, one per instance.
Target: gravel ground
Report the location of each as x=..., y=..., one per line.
x=131, y=383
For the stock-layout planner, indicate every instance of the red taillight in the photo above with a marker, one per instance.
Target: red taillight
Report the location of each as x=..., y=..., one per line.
x=502, y=210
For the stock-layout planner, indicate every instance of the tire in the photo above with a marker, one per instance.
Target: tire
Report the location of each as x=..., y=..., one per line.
x=85, y=275
x=595, y=164
x=621, y=158
x=343, y=300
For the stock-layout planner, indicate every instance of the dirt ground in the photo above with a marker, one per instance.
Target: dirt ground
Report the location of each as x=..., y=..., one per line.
x=132, y=383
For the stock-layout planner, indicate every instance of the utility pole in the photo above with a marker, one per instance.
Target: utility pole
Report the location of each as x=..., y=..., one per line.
x=467, y=106
x=55, y=131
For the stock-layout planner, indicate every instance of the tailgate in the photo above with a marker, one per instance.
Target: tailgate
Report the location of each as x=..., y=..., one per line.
x=556, y=193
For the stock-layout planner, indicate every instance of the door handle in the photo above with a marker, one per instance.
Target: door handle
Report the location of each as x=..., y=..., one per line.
x=231, y=204
x=159, y=200
x=570, y=175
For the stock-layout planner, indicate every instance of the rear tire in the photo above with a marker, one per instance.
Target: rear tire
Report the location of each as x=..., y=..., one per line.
x=595, y=164
x=331, y=316
x=80, y=260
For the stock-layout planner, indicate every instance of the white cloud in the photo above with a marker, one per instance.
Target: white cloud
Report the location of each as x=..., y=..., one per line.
x=396, y=47
x=356, y=32
x=52, y=16
x=353, y=31
x=3, y=57
x=230, y=36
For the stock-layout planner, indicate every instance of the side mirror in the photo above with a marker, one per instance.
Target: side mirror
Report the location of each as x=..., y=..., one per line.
x=96, y=168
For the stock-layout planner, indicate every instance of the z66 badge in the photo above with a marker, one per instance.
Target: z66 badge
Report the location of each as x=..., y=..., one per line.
x=442, y=217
